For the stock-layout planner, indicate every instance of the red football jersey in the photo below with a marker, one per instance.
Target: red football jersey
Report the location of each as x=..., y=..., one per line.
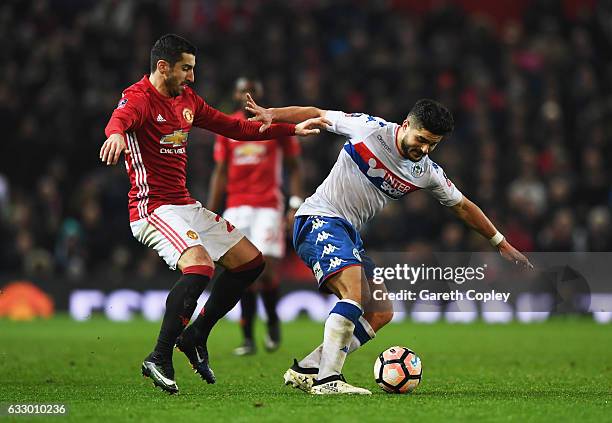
x=254, y=168
x=156, y=129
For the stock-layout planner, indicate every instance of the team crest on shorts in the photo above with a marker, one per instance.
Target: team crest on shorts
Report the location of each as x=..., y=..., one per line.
x=192, y=235
x=356, y=254
x=188, y=115
x=318, y=272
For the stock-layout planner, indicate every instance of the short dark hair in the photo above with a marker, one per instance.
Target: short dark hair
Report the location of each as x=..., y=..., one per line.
x=170, y=48
x=433, y=116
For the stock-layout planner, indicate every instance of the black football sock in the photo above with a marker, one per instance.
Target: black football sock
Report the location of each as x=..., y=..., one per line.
x=180, y=305
x=269, y=297
x=225, y=294
x=248, y=304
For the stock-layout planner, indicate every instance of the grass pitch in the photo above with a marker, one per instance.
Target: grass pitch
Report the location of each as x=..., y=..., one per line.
x=560, y=370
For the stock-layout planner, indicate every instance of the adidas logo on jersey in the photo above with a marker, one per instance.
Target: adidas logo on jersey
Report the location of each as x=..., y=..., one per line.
x=160, y=118
x=329, y=249
x=323, y=236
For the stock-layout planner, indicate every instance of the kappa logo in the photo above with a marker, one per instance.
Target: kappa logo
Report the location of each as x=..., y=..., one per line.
x=329, y=249
x=160, y=118
x=379, y=121
x=318, y=272
x=335, y=262
x=317, y=224
x=322, y=236
x=382, y=142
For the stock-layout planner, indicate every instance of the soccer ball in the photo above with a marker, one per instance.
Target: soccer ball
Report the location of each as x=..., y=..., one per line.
x=398, y=370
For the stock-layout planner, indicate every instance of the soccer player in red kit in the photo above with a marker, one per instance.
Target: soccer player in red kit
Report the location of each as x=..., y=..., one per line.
x=250, y=174
x=151, y=126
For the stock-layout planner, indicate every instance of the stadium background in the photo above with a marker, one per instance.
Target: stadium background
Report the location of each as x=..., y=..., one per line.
x=529, y=83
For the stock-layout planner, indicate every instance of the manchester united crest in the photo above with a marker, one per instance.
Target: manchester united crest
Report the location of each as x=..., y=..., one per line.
x=192, y=235
x=188, y=115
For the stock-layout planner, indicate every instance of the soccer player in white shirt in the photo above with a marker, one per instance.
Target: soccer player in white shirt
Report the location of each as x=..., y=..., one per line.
x=380, y=161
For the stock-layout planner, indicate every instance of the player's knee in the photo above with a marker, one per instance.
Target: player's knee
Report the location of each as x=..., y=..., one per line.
x=384, y=317
x=195, y=256
x=349, y=285
x=379, y=319
x=385, y=312
x=250, y=271
x=194, y=281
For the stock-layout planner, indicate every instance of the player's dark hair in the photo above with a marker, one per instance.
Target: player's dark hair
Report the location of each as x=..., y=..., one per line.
x=170, y=48
x=433, y=116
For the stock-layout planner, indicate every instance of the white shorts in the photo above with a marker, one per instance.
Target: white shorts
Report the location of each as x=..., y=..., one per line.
x=171, y=229
x=263, y=226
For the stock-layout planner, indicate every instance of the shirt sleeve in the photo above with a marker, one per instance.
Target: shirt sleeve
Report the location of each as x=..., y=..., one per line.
x=291, y=146
x=207, y=117
x=221, y=150
x=353, y=125
x=442, y=187
x=128, y=115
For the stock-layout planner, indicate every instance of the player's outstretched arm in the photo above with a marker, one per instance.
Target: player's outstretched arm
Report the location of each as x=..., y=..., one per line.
x=112, y=149
x=473, y=216
x=290, y=114
x=311, y=126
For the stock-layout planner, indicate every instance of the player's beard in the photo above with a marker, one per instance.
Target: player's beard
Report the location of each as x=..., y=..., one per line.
x=412, y=153
x=174, y=87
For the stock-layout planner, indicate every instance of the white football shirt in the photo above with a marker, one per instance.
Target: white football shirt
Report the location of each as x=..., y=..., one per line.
x=370, y=171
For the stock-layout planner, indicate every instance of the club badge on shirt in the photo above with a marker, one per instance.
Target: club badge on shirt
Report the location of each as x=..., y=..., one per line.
x=417, y=170
x=188, y=115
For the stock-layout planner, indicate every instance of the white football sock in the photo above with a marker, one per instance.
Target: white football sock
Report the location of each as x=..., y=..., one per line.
x=336, y=340
x=313, y=359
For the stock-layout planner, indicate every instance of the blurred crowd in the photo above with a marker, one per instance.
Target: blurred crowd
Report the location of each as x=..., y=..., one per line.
x=530, y=96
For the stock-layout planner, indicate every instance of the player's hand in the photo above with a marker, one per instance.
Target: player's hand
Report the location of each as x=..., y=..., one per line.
x=512, y=254
x=311, y=126
x=260, y=114
x=112, y=149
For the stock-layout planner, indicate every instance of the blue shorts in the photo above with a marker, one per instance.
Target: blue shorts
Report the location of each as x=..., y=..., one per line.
x=328, y=245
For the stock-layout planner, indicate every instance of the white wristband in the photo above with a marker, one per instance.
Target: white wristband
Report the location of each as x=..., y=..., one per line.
x=496, y=239
x=295, y=202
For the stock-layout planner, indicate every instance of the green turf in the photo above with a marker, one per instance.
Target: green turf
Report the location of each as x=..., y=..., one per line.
x=560, y=370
